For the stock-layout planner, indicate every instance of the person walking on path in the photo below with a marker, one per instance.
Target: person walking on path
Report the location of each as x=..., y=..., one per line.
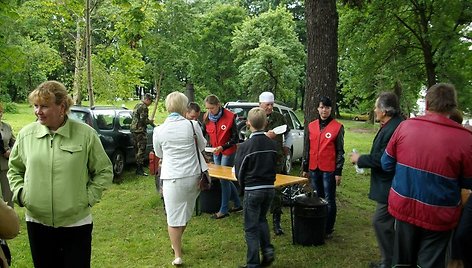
x=139, y=131
x=431, y=157
x=174, y=142
x=387, y=112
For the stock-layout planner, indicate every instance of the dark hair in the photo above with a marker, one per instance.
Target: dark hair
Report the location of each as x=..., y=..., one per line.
x=388, y=103
x=326, y=101
x=456, y=116
x=441, y=98
x=193, y=106
x=147, y=96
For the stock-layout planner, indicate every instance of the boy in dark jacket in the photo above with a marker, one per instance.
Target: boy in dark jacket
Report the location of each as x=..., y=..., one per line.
x=255, y=166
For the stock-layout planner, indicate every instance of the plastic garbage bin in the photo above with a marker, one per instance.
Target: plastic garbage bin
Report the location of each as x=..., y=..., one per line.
x=210, y=201
x=310, y=212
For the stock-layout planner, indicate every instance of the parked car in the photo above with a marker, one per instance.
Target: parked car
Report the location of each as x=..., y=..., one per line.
x=113, y=127
x=296, y=128
x=361, y=117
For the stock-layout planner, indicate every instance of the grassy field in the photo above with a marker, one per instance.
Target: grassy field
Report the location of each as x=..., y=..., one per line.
x=130, y=228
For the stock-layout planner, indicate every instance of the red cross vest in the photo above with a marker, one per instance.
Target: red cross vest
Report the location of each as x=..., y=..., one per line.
x=219, y=132
x=323, y=145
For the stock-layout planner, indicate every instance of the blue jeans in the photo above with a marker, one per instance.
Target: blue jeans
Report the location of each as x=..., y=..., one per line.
x=256, y=206
x=228, y=189
x=324, y=184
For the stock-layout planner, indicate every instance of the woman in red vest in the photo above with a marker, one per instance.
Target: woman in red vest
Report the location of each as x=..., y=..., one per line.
x=325, y=158
x=220, y=126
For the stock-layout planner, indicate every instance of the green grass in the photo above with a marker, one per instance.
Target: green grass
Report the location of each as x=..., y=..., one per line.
x=130, y=227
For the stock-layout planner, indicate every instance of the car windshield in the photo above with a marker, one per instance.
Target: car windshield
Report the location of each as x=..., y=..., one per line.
x=241, y=112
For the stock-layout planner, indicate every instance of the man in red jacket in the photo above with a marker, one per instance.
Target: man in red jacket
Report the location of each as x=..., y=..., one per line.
x=324, y=158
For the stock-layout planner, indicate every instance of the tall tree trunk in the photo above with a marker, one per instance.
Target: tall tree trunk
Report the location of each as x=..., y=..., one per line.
x=89, y=54
x=190, y=91
x=78, y=67
x=322, y=45
x=430, y=66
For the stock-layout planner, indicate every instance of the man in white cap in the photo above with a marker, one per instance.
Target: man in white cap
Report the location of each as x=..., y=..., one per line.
x=275, y=119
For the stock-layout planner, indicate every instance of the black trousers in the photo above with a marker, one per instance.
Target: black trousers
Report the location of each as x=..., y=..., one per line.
x=462, y=241
x=418, y=247
x=67, y=247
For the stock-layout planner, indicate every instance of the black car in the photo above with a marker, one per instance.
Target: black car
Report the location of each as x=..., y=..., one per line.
x=113, y=127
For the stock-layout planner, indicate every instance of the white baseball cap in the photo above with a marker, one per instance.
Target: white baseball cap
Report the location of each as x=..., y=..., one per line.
x=266, y=97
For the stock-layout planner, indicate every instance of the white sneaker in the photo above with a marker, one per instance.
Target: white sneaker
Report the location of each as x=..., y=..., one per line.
x=178, y=261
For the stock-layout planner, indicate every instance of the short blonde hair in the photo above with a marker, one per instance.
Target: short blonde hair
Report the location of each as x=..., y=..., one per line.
x=176, y=102
x=51, y=91
x=257, y=118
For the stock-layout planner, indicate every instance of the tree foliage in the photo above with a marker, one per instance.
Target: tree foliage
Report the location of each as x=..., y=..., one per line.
x=270, y=55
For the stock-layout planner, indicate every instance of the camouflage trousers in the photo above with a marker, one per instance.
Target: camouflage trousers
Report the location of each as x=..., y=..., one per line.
x=140, y=141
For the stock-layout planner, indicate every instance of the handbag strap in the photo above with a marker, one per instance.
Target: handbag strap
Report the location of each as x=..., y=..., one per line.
x=196, y=146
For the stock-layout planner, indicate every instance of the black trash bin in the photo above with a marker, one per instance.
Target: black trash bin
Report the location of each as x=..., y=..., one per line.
x=310, y=212
x=210, y=201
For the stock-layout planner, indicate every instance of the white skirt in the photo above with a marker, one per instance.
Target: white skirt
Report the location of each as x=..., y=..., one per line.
x=179, y=197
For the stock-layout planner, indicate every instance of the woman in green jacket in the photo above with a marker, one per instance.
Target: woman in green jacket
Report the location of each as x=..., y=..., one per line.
x=57, y=171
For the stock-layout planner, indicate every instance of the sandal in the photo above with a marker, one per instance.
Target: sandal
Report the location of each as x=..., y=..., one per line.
x=218, y=216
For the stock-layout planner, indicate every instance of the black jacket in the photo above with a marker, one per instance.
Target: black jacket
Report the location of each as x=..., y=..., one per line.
x=380, y=180
x=255, y=162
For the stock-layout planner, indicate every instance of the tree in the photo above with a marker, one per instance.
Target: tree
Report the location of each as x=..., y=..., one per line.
x=409, y=43
x=322, y=46
x=214, y=68
x=270, y=55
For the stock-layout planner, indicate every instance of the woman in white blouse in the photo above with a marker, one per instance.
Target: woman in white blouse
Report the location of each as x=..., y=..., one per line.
x=174, y=143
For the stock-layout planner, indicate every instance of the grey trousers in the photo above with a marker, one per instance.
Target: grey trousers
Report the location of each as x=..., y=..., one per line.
x=418, y=247
x=383, y=224
x=4, y=184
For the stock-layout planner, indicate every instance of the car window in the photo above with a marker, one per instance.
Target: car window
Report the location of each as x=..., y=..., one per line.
x=104, y=119
x=241, y=112
x=296, y=122
x=81, y=117
x=124, y=120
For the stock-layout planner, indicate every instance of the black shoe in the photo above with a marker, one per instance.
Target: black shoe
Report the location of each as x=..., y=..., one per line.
x=238, y=209
x=267, y=261
x=140, y=171
x=276, y=220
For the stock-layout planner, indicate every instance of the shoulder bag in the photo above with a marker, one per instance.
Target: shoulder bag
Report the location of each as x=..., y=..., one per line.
x=204, y=183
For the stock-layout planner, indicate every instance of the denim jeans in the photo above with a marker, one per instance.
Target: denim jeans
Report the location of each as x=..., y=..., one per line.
x=256, y=206
x=228, y=189
x=324, y=184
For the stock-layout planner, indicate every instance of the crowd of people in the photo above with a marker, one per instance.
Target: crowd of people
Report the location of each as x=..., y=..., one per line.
x=418, y=168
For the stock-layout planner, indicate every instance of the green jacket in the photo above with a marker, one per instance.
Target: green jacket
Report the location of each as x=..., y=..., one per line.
x=58, y=177
x=140, y=118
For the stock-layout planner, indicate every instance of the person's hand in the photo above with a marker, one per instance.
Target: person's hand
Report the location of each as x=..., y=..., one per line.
x=338, y=180
x=271, y=134
x=304, y=174
x=7, y=154
x=355, y=158
x=218, y=150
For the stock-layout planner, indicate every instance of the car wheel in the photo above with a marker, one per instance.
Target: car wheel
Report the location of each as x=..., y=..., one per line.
x=242, y=129
x=288, y=163
x=118, y=162
x=356, y=118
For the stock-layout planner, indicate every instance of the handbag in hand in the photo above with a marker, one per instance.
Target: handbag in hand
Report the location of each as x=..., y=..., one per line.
x=204, y=183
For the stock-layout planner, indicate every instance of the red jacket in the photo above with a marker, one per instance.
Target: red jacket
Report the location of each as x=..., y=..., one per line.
x=322, y=146
x=219, y=132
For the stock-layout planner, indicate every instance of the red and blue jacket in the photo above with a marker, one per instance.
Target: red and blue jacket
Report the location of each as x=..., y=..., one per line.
x=432, y=159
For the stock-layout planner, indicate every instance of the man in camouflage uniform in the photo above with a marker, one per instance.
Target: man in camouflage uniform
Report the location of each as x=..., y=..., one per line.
x=138, y=128
x=275, y=119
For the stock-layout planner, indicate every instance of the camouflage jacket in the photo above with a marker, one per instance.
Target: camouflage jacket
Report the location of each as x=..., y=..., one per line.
x=140, y=118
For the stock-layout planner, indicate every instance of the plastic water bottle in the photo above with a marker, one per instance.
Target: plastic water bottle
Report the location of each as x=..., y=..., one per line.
x=358, y=169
